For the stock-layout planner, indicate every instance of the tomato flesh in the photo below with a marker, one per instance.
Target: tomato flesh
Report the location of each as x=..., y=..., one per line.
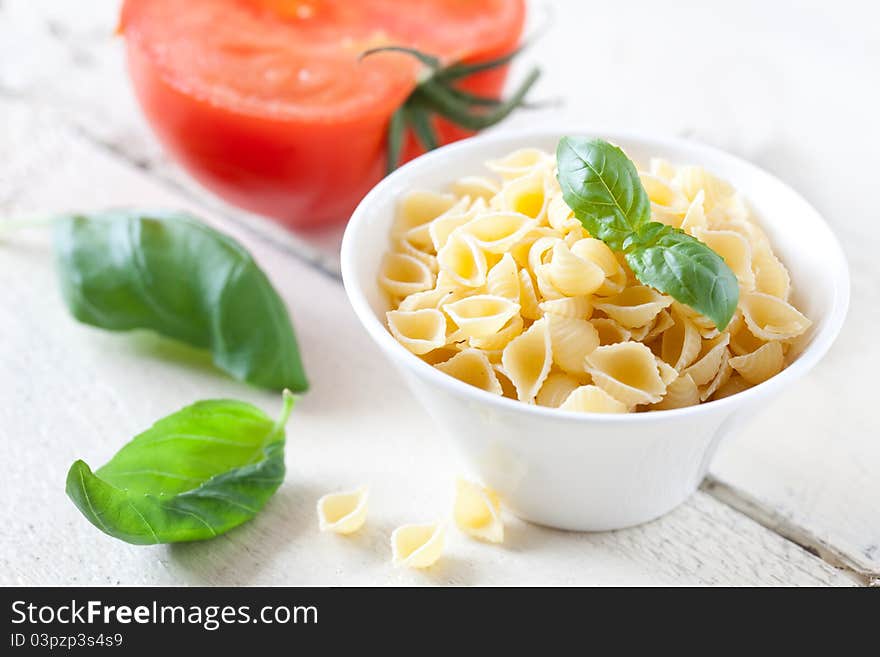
x=266, y=103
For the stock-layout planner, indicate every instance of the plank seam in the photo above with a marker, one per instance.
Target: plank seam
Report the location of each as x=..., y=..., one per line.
x=772, y=520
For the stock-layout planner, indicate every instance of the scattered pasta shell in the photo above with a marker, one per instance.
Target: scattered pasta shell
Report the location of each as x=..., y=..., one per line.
x=477, y=511
x=481, y=315
x=680, y=393
x=556, y=389
x=761, y=364
x=734, y=249
x=742, y=341
x=496, y=232
x=420, y=331
x=545, y=286
x=401, y=275
x=571, y=339
x=539, y=251
x=343, y=513
x=503, y=279
x=662, y=322
x=572, y=275
x=417, y=546
x=709, y=361
x=771, y=318
x=472, y=367
x=462, y=260
x=592, y=399
x=635, y=306
x=527, y=360
x=628, y=372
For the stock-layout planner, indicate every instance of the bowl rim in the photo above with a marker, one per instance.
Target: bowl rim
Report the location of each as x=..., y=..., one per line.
x=818, y=347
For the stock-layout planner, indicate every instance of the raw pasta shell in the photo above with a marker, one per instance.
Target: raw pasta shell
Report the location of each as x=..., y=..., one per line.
x=427, y=299
x=628, y=372
x=443, y=226
x=574, y=307
x=481, y=315
x=528, y=299
x=343, y=513
x=771, y=318
x=527, y=360
x=681, y=343
x=662, y=322
x=635, y=306
x=539, y=250
x=771, y=276
x=462, y=260
x=661, y=168
x=475, y=187
x=503, y=279
x=680, y=393
x=518, y=163
x=735, y=250
x=723, y=375
x=556, y=389
x=734, y=385
x=472, y=367
x=497, y=232
x=610, y=332
x=477, y=511
x=404, y=246
x=559, y=215
x=500, y=339
x=761, y=364
x=709, y=361
x=417, y=546
x=420, y=207
x=526, y=195
x=695, y=218
x=571, y=275
x=420, y=331
x=401, y=275
x=571, y=339
x=592, y=399
x=598, y=252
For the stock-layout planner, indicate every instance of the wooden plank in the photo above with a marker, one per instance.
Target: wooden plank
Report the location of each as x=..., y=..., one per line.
x=74, y=392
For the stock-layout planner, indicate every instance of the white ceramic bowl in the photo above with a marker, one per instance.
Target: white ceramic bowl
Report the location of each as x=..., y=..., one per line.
x=592, y=471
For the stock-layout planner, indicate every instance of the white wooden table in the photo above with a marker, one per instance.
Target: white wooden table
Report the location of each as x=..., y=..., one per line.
x=795, y=499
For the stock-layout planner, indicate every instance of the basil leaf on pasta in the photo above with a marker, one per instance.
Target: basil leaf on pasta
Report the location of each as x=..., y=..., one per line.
x=681, y=266
x=602, y=187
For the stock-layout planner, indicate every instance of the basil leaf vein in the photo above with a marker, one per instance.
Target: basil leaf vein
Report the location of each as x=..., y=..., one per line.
x=168, y=272
x=193, y=475
x=602, y=187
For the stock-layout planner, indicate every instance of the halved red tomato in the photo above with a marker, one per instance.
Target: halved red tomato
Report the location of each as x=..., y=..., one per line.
x=267, y=103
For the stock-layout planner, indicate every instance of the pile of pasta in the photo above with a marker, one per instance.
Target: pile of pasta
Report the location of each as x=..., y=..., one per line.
x=498, y=284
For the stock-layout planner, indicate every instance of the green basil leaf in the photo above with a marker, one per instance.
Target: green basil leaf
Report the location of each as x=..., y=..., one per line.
x=172, y=274
x=681, y=266
x=602, y=187
x=193, y=475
